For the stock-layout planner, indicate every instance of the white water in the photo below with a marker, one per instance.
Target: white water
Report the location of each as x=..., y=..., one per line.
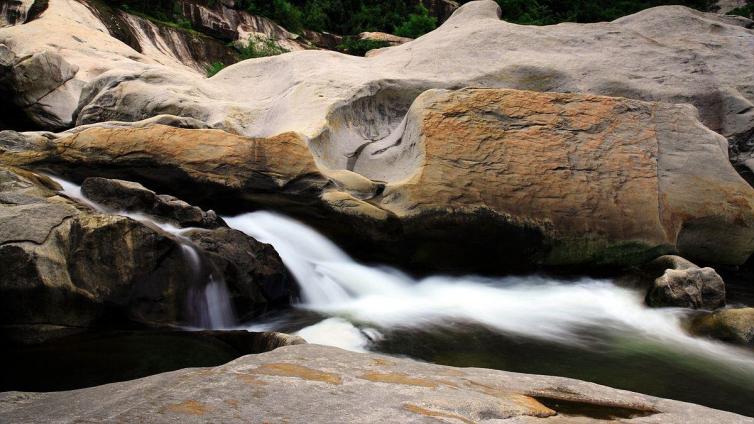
x=208, y=301
x=532, y=307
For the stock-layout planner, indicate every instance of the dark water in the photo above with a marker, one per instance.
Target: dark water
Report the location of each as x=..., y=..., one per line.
x=92, y=359
x=629, y=364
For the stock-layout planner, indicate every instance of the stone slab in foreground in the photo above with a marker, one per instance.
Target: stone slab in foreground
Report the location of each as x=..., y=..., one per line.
x=318, y=384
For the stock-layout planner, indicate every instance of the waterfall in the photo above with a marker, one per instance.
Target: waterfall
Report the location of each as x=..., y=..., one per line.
x=208, y=301
x=533, y=307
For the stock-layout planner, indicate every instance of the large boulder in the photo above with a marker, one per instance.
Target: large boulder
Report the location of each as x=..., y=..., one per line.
x=671, y=54
x=318, y=384
x=529, y=178
x=731, y=325
x=66, y=265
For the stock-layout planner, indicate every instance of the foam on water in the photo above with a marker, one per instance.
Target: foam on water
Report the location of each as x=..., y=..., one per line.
x=533, y=307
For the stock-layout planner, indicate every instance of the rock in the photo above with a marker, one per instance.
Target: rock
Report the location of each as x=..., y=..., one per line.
x=688, y=288
x=563, y=171
x=15, y=12
x=120, y=195
x=73, y=42
x=731, y=325
x=361, y=387
x=390, y=39
x=532, y=179
x=630, y=57
x=65, y=265
x=253, y=271
x=39, y=84
x=225, y=165
x=229, y=23
x=671, y=54
x=725, y=6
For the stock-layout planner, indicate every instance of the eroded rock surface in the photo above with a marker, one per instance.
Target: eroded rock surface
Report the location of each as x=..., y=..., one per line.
x=318, y=384
x=530, y=178
x=671, y=54
x=127, y=196
x=66, y=265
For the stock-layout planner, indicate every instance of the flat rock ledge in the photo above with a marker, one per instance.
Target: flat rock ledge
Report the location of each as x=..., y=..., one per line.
x=319, y=384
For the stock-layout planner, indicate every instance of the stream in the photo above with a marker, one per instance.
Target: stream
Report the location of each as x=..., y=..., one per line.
x=589, y=329
x=584, y=328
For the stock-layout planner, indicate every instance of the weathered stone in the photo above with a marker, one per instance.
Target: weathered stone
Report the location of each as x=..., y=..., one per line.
x=731, y=325
x=66, y=265
x=253, y=271
x=120, y=195
x=14, y=12
x=530, y=178
x=390, y=39
x=672, y=54
x=318, y=384
x=688, y=288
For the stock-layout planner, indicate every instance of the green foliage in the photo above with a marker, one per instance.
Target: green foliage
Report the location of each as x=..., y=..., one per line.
x=215, y=68
x=547, y=12
x=260, y=47
x=356, y=47
x=257, y=46
x=417, y=24
x=746, y=11
x=402, y=17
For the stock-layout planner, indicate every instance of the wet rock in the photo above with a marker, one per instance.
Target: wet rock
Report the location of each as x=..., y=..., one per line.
x=253, y=271
x=688, y=288
x=731, y=325
x=66, y=265
x=360, y=387
x=127, y=196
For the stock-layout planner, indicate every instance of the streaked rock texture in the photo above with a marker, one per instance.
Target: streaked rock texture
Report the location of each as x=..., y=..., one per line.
x=318, y=384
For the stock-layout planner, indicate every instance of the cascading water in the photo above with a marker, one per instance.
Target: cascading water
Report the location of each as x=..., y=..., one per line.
x=208, y=301
x=534, y=306
x=588, y=328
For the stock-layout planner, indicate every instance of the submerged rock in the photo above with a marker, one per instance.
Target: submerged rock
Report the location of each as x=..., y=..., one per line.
x=66, y=265
x=318, y=384
x=731, y=325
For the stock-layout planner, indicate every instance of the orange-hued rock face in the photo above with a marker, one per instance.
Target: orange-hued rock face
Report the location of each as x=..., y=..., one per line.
x=577, y=164
x=494, y=174
x=585, y=169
